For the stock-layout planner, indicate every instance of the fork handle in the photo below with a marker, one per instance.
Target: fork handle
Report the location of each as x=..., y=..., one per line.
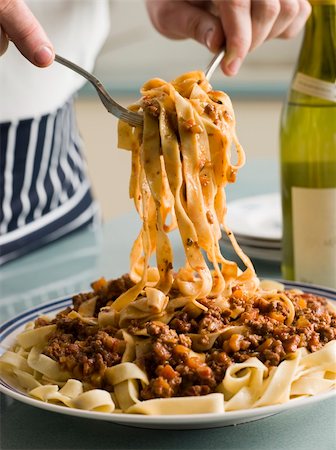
x=76, y=68
x=212, y=66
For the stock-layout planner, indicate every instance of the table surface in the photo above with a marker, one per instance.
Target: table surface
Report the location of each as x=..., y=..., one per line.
x=68, y=266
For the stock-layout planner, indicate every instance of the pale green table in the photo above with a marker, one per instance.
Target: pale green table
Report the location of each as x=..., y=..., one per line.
x=69, y=266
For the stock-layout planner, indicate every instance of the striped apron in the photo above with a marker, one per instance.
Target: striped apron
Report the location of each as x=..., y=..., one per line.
x=44, y=191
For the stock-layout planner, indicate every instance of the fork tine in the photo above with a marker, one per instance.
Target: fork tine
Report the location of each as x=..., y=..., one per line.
x=134, y=119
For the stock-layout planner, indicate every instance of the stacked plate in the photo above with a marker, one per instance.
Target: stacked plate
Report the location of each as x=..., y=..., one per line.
x=257, y=225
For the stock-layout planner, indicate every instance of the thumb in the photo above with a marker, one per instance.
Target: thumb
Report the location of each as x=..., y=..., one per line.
x=181, y=20
x=23, y=29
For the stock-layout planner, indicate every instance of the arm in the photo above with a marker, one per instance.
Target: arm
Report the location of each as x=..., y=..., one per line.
x=18, y=24
x=240, y=25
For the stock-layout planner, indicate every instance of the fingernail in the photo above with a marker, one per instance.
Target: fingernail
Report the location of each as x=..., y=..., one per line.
x=43, y=55
x=234, y=66
x=208, y=38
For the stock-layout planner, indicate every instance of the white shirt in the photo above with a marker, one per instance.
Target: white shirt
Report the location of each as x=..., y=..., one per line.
x=77, y=29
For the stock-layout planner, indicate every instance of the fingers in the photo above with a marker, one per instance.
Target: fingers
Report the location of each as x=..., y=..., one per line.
x=240, y=25
x=277, y=19
x=178, y=19
x=236, y=22
x=293, y=28
x=248, y=23
x=23, y=29
x=265, y=13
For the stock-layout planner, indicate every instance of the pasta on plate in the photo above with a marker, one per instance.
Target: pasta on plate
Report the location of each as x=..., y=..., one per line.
x=207, y=337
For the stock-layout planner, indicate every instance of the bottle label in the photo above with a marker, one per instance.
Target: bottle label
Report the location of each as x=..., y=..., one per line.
x=314, y=235
x=314, y=87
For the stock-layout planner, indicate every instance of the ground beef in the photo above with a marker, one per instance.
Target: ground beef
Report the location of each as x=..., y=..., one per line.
x=105, y=292
x=268, y=338
x=181, y=323
x=151, y=106
x=173, y=369
x=211, y=111
x=211, y=321
x=218, y=361
x=84, y=350
x=173, y=366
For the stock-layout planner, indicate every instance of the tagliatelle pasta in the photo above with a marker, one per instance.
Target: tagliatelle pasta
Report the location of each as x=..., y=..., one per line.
x=179, y=171
x=207, y=337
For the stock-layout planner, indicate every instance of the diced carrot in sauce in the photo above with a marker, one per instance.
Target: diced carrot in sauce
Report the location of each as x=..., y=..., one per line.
x=302, y=303
x=302, y=322
x=168, y=372
x=234, y=342
x=193, y=362
x=180, y=350
x=238, y=293
x=277, y=316
x=98, y=285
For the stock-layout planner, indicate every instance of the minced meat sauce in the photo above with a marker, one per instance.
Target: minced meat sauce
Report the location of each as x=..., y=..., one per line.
x=173, y=368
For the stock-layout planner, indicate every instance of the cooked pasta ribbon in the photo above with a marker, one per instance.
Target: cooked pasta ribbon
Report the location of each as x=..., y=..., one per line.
x=212, y=403
x=181, y=164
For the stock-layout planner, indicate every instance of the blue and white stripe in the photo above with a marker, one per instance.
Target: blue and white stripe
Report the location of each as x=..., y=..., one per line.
x=44, y=191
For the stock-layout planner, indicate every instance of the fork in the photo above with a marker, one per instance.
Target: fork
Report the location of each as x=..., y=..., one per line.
x=213, y=64
x=134, y=119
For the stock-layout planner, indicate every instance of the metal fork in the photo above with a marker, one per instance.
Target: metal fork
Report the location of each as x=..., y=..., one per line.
x=213, y=64
x=134, y=119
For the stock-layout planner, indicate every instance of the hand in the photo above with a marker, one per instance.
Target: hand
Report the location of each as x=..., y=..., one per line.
x=18, y=24
x=239, y=25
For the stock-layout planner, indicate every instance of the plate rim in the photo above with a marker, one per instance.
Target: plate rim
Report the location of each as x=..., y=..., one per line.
x=240, y=202
x=261, y=254
x=185, y=419
x=211, y=419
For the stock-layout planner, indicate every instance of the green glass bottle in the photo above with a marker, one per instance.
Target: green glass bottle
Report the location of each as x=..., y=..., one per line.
x=308, y=155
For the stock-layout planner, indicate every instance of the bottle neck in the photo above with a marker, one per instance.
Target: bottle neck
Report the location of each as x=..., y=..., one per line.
x=318, y=51
x=315, y=74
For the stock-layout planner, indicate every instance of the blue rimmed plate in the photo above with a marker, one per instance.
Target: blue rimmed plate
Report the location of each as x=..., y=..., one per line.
x=10, y=329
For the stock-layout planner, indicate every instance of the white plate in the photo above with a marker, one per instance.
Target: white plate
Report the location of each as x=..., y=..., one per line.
x=256, y=217
x=262, y=253
x=255, y=252
x=260, y=243
x=11, y=328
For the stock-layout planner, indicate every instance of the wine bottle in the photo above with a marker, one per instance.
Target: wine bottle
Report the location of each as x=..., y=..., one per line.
x=308, y=155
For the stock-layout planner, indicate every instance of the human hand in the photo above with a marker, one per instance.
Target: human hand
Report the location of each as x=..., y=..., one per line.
x=239, y=25
x=18, y=24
